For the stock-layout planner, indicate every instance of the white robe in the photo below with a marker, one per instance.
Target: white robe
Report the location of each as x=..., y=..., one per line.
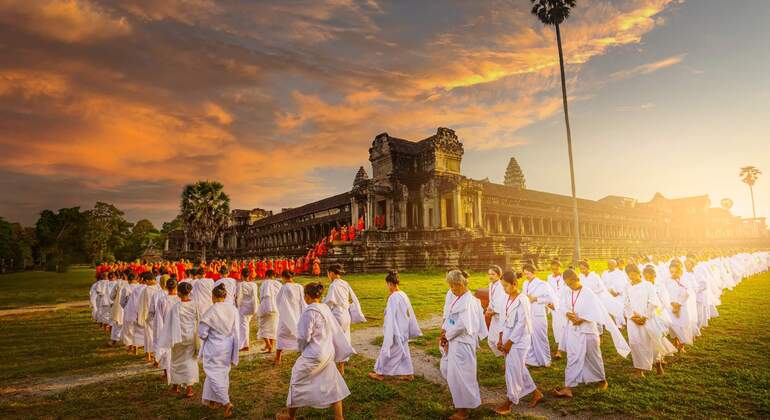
x=218, y=331
x=595, y=283
x=344, y=305
x=103, y=301
x=119, y=292
x=247, y=300
x=201, y=293
x=268, y=309
x=517, y=328
x=399, y=325
x=178, y=339
x=147, y=297
x=315, y=380
x=291, y=304
x=581, y=342
x=558, y=317
x=163, y=305
x=540, y=351
x=682, y=325
x=647, y=341
x=497, y=298
x=231, y=285
x=617, y=280
x=465, y=326
x=133, y=333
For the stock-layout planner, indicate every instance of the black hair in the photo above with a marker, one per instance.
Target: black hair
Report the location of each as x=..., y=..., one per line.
x=496, y=268
x=130, y=275
x=556, y=261
x=650, y=269
x=219, y=292
x=269, y=274
x=632, y=268
x=245, y=272
x=314, y=290
x=286, y=274
x=337, y=269
x=223, y=270
x=171, y=284
x=184, y=288
x=569, y=274
x=393, y=278
x=509, y=277
x=584, y=263
x=529, y=267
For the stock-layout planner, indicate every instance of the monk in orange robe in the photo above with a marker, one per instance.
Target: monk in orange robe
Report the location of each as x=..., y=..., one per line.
x=316, y=267
x=360, y=226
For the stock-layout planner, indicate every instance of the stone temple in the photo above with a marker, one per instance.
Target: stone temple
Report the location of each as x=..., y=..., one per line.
x=431, y=216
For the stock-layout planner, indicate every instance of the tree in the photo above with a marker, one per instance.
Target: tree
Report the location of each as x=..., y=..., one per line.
x=514, y=176
x=143, y=236
x=60, y=237
x=107, y=231
x=555, y=12
x=205, y=212
x=749, y=175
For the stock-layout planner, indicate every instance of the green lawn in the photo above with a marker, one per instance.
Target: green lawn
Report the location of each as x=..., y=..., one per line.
x=43, y=287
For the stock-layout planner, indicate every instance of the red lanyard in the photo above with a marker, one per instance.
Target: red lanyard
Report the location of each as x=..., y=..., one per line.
x=575, y=298
x=453, y=303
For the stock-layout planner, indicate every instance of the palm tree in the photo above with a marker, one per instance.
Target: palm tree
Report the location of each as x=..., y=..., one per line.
x=555, y=12
x=205, y=212
x=749, y=175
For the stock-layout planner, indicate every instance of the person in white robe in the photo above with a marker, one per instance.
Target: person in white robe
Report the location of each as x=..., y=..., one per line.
x=615, y=281
x=163, y=303
x=515, y=342
x=703, y=295
x=464, y=326
x=93, y=296
x=268, y=311
x=230, y=284
x=592, y=280
x=247, y=302
x=642, y=307
x=315, y=380
x=558, y=316
x=581, y=336
x=133, y=333
x=218, y=331
x=343, y=303
x=497, y=297
x=290, y=301
x=683, y=310
x=399, y=326
x=543, y=298
x=119, y=293
x=179, y=339
x=201, y=292
x=148, y=295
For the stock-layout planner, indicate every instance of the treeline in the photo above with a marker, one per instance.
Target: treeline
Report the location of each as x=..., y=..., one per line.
x=75, y=236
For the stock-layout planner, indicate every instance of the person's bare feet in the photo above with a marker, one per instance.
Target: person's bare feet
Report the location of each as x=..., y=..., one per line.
x=283, y=416
x=460, y=414
x=602, y=385
x=228, y=410
x=190, y=392
x=503, y=409
x=537, y=396
x=557, y=355
x=376, y=376
x=406, y=378
x=562, y=392
x=175, y=389
x=659, y=368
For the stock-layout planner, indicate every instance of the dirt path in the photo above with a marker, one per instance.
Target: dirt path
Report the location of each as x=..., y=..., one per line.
x=43, y=308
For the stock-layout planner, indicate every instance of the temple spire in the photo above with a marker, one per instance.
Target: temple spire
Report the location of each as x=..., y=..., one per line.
x=514, y=177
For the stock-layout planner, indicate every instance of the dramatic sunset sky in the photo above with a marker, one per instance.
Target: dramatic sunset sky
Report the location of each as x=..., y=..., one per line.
x=127, y=101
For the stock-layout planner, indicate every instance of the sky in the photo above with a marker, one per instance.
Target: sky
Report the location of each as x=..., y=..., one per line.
x=128, y=101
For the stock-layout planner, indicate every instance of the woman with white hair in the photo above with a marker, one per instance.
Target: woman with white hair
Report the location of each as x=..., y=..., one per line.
x=464, y=326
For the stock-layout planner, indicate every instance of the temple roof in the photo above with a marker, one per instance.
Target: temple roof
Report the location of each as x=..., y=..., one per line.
x=320, y=205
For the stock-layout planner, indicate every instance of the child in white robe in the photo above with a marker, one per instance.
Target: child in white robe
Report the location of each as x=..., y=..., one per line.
x=343, y=302
x=542, y=298
x=497, y=297
x=646, y=339
x=515, y=341
x=201, y=292
x=615, y=282
x=133, y=333
x=247, y=301
x=143, y=311
x=268, y=310
x=464, y=326
x=291, y=303
x=231, y=285
x=399, y=325
x=683, y=310
x=119, y=292
x=585, y=312
x=164, y=301
x=179, y=338
x=315, y=380
x=218, y=331
x=592, y=280
x=558, y=316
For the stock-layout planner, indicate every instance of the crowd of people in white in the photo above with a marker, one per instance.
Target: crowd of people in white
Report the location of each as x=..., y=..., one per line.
x=663, y=305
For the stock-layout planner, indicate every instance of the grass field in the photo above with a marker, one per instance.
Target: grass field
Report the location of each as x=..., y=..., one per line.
x=43, y=287
x=726, y=373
